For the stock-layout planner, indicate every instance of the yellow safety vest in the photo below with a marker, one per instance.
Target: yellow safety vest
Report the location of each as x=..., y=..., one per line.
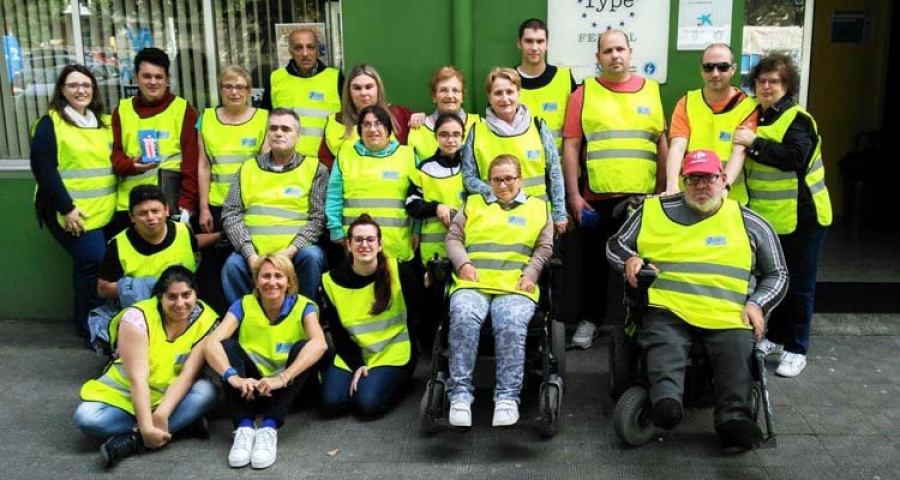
x=526, y=147
x=773, y=192
x=276, y=204
x=135, y=264
x=550, y=101
x=448, y=191
x=334, y=135
x=426, y=145
x=167, y=125
x=85, y=169
x=383, y=338
x=714, y=131
x=622, y=130
x=378, y=186
x=500, y=243
x=229, y=146
x=266, y=344
x=313, y=100
x=166, y=358
x=704, y=268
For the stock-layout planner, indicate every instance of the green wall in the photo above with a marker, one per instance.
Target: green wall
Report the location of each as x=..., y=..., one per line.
x=405, y=40
x=416, y=37
x=36, y=280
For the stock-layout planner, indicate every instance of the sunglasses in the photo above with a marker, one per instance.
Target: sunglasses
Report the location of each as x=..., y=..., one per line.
x=722, y=67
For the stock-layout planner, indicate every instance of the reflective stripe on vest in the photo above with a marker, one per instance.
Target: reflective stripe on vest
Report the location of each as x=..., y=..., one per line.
x=268, y=345
x=550, y=102
x=165, y=358
x=229, y=146
x=313, y=99
x=425, y=144
x=500, y=243
x=526, y=147
x=704, y=268
x=774, y=193
x=135, y=264
x=276, y=203
x=622, y=130
x=383, y=338
x=84, y=166
x=378, y=186
x=167, y=126
x=714, y=131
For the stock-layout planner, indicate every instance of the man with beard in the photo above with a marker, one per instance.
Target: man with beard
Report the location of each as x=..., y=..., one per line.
x=720, y=271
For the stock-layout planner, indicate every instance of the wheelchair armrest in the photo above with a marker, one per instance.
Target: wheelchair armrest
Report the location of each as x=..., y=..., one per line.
x=646, y=276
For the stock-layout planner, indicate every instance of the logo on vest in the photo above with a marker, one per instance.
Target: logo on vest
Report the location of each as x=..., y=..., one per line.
x=390, y=175
x=163, y=135
x=715, y=241
x=248, y=142
x=181, y=358
x=643, y=110
x=516, y=220
x=533, y=154
x=283, y=347
x=293, y=191
x=316, y=96
x=725, y=136
x=149, y=143
x=550, y=107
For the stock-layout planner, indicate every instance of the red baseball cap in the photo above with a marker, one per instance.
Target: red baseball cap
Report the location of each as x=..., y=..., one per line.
x=701, y=161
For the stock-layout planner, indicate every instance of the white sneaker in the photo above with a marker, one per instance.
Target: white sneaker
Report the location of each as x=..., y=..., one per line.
x=769, y=347
x=506, y=413
x=265, y=446
x=460, y=414
x=791, y=365
x=584, y=335
x=239, y=456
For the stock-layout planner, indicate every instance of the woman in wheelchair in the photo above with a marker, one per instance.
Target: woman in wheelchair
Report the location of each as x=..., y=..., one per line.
x=498, y=245
x=374, y=356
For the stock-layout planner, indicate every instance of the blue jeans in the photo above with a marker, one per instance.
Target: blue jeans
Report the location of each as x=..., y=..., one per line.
x=102, y=420
x=87, y=251
x=792, y=319
x=510, y=316
x=309, y=262
x=374, y=394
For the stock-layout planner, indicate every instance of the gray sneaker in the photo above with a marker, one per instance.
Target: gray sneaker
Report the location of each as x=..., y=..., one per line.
x=585, y=334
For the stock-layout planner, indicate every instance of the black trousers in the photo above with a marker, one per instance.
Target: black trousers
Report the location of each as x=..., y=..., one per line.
x=274, y=407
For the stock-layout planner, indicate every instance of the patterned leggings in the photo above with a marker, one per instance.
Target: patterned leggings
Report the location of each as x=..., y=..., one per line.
x=510, y=315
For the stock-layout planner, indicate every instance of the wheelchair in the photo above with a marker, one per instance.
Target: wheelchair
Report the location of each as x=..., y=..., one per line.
x=630, y=388
x=545, y=358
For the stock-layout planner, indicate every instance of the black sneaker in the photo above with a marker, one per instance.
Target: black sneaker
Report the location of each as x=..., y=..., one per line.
x=120, y=446
x=198, y=429
x=739, y=435
x=667, y=413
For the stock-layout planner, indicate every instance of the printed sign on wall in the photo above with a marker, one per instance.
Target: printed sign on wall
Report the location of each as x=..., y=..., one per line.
x=575, y=26
x=702, y=22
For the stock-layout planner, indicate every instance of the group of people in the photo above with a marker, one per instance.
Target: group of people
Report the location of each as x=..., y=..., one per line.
x=323, y=209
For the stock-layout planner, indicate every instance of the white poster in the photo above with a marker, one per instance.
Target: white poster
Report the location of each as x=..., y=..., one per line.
x=702, y=22
x=575, y=25
x=283, y=31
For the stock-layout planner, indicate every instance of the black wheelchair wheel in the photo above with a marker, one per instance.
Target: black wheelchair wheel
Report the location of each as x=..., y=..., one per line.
x=632, y=417
x=755, y=402
x=558, y=345
x=549, y=411
x=622, y=363
x=431, y=407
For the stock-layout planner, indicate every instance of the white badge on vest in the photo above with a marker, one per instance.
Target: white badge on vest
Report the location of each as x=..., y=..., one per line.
x=643, y=110
x=516, y=220
x=181, y=358
x=293, y=191
x=316, y=96
x=550, y=107
x=715, y=241
x=390, y=175
x=725, y=136
x=533, y=154
x=248, y=142
x=283, y=347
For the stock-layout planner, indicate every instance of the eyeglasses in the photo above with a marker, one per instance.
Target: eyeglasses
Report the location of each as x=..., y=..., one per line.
x=449, y=135
x=76, y=86
x=722, y=67
x=362, y=240
x=502, y=180
x=235, y=88
x=768, y=81
x=707, y=178
x=449, y=91
x=375, y=124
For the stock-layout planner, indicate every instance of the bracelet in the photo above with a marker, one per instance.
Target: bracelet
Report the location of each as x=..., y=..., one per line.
x=229, y=372
x=284, y=381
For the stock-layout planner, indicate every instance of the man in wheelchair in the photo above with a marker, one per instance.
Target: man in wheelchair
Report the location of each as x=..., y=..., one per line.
x=720, y=271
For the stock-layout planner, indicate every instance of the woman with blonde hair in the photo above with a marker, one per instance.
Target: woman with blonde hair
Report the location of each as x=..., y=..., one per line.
x=279, y=342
